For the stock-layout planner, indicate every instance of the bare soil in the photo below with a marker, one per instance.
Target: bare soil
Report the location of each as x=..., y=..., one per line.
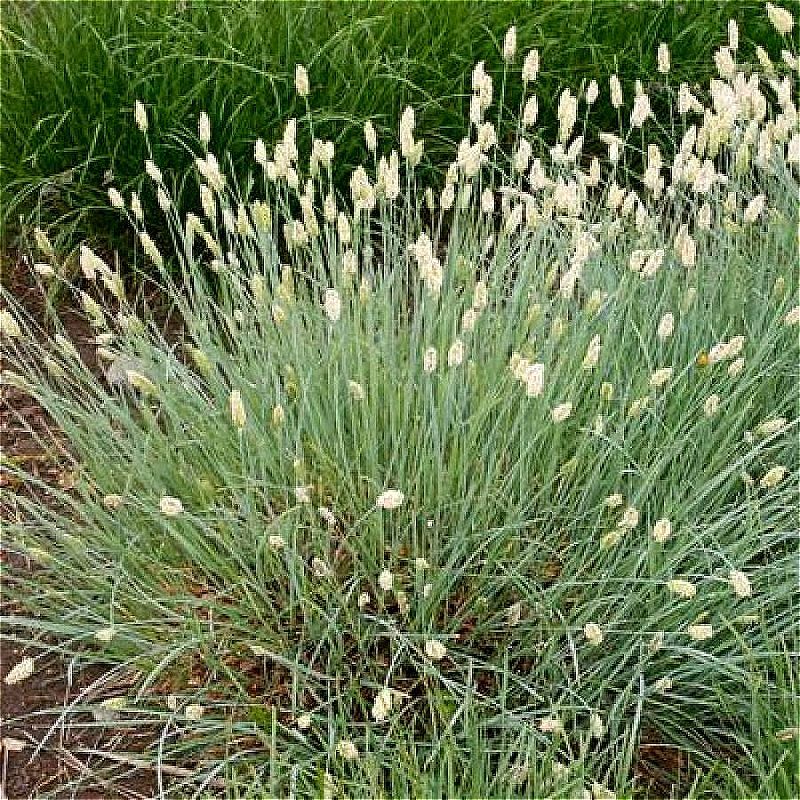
x=28, y=438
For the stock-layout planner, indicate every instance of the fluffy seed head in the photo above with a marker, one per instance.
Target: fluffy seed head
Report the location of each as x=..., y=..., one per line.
x=429, y=360
x=370, y=136
x=390, y=499
x=740, y=583
x=140, y=116
x=455, y=355
x=641, y=110
x=204, y=128
x=662, y=530
x=115, y=198
x=711, y=405
x=561, y=412
x=510, y=44
x=666, y=325
x=332, y=305
x=660, y=377
x=754, y=210
x=113, y=502
x=630, y=518
x=772, y=477
x=733, y=35
x=382, y=705
x=9, y=327
x=386, y=580
x=551, y=725
x=663, y=58
x=170, y=506
x=347, y=750
x=613, y=501
x=301, y=82
x=20, y=671
x=593, y=633
x=530, y=67
x=435, y=650
x=592, y=353
x=682, y=588
x=615, y=88
x=700, y=633
x=781, y=19
x=771, y=426
x=238, y=414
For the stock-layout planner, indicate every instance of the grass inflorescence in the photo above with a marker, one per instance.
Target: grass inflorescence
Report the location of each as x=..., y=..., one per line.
x=71, y=72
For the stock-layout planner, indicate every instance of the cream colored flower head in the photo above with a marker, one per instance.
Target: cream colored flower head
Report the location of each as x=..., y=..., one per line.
x=204, y=128
x=140, y=116
x=772, y=477
x=455, y=355
x=592, y=356
x=740, y=583
x=561, y=412
x=347, y=750
x=510, y=44
x=660, y=377
x=530, y=67
x=771, y=427
x=662, y=530
x=301, y=82
x=435, y=650
x=302, y=494
x=20, y=671
x=666, y=325
x=238, y=414
x=593, y=633
x=382, y=705
x=356, y=391
x=792, y=316
x=170, y=506
x=390, y=499
x=332, y=305
x=551, y=725
x=700, y=633
x=781, y=19
x=113, y=502
x=630, y=518
x=711, y=405
x=682, y=588
x=663, y=58
x=614, y=501
x=8, y=325
x=386, y=580
x=429, y=360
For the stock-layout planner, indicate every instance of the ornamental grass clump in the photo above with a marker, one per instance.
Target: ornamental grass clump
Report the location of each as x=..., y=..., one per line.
x=474, y=489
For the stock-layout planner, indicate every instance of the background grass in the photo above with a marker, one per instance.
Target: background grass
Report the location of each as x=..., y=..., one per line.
x=72, y=71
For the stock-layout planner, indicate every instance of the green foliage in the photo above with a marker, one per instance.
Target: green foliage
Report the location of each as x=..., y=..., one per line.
x=71, y=72
x=319, y=560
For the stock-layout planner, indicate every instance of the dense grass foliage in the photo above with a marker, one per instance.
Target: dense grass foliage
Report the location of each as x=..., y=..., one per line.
x=71, y=72
x=482, y=486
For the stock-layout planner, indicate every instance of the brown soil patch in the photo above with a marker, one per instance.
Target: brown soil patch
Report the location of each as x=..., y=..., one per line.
x=27, y=709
